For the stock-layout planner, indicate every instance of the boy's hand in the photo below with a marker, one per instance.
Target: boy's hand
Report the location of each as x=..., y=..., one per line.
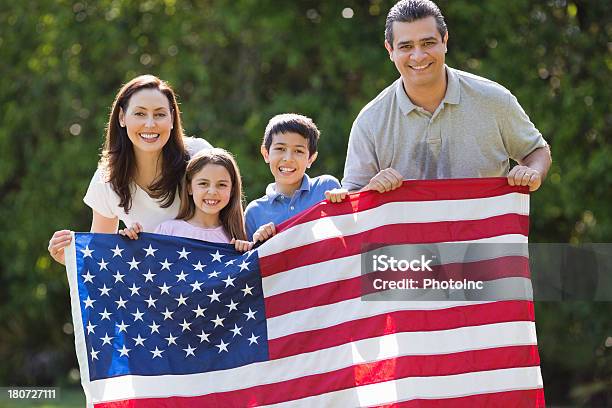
x=525, y=176
x=336, y=195
x=386, y=180
x=264, y=232
x=132, y=232
x=240, y=245
x=57, y=243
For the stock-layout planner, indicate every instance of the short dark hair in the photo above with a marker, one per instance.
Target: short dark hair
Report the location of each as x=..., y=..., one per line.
x=292, y=123
x=407, y=11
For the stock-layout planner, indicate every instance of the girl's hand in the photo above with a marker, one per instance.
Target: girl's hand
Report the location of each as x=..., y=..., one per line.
x=57, y=243
x=241, y=246
x=132, y=232
x=264, y=232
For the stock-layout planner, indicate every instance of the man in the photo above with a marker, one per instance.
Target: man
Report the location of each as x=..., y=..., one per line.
x=437, y=122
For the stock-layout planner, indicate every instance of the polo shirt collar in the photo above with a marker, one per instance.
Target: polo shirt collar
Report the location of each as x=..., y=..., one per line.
x=452, y=95
x=273, y=194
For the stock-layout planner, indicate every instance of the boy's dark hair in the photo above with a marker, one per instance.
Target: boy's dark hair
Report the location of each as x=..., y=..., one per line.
x=292, y=123
x=407, y=11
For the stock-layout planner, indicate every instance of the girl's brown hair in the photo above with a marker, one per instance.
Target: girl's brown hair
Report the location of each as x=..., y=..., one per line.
x=232, y=216
x=118, y=161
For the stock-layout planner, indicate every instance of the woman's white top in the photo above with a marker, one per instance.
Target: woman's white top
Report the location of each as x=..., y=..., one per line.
x=145, y=210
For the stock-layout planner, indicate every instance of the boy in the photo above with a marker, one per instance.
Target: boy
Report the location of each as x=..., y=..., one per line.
x=289, y=147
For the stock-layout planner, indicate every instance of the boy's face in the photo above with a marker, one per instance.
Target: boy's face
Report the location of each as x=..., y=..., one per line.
x=288, y=158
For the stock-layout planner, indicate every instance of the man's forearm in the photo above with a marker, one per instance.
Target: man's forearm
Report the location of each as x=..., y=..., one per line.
x=540, y=160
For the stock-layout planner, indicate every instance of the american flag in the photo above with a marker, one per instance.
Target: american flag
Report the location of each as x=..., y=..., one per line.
x=173, y=322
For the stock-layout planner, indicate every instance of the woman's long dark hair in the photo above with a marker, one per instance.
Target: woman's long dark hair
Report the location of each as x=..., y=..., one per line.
x=232, y=216
x=118, y=160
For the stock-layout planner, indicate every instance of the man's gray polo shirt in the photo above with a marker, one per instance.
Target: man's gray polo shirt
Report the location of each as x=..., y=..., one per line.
x=478, y=126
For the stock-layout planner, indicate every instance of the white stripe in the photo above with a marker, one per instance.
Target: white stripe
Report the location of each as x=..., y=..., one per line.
x=395, y=213
x=321, y=317
x=321, y=361
x=350, y=267
x=405, y=389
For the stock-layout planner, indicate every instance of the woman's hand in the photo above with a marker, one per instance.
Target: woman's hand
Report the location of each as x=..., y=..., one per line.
x=57, y=243
x=132, y=232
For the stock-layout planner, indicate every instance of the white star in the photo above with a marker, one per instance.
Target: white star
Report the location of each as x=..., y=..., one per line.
x=122, y=327
x=196, y=286
x=204, y=337
x=164, y=289
x=229, y=281
x=133, y=264
x=157, y=352
x=137, y=315
x=181, y=300
x=222, y=346
x=88, y=302
x=199, y=311
x=230, y=262
x=105, y=315
x=150, y=301
x=120, y=303
x=213, y=274
x=214, y=296
x=244, y=265
x=181, y=276
x=199, y=266
x=236, y=330
x=253, y=339
x=103, y=264
x=218, y=321
x=250, y=314
x=88, y=277
x=106, y=339
x=154, y=327
x=117, y=251
x=247, y=290
x=167, y=314
x=189, y=351
x=139, y=340
x=185, y=325
x=149, y=276
x=171, y=339
x=104, y=290
x=90, y=328
x=232, y=305
x=150, y=251
x=87, y=252
x=183, y=253
x=118, y=277
x=123, y=351
x=134, y=289
x=165, y=264
x=217, y=256
x=94, y=354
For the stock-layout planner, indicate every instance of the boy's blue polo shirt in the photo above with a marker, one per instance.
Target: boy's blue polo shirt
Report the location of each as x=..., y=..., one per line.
x=275, y=207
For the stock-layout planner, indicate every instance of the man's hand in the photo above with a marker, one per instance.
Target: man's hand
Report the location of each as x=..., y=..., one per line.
x=525, y=176
x=386, y=180
x=336, y=195
x=264, y=232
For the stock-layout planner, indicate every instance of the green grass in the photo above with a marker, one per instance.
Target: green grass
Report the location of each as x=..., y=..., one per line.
x=68, y=398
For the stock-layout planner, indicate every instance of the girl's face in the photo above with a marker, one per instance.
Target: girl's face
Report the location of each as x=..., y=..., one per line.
x=211, y=189
x=148, y=120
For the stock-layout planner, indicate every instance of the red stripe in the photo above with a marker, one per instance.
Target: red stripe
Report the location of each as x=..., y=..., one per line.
x=518, y=398
x=401, y=321
x=353, y=376
x=395, y=234
x=338, y=291
x=412, y=190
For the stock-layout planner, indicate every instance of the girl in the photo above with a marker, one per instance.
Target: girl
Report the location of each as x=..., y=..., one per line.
x=211, y=201
x=143, y=160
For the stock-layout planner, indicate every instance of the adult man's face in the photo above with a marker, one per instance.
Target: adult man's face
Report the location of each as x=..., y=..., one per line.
x=418, y=52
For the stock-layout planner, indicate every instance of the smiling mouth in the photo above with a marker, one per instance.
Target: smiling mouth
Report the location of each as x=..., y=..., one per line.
x=420, y=67
x=212, y=203
x=150, y=137
x=286, y=170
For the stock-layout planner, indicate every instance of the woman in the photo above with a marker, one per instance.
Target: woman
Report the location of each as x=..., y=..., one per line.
x=142, y=163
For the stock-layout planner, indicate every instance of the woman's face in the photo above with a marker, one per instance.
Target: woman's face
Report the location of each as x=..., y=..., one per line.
x=148, y=120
